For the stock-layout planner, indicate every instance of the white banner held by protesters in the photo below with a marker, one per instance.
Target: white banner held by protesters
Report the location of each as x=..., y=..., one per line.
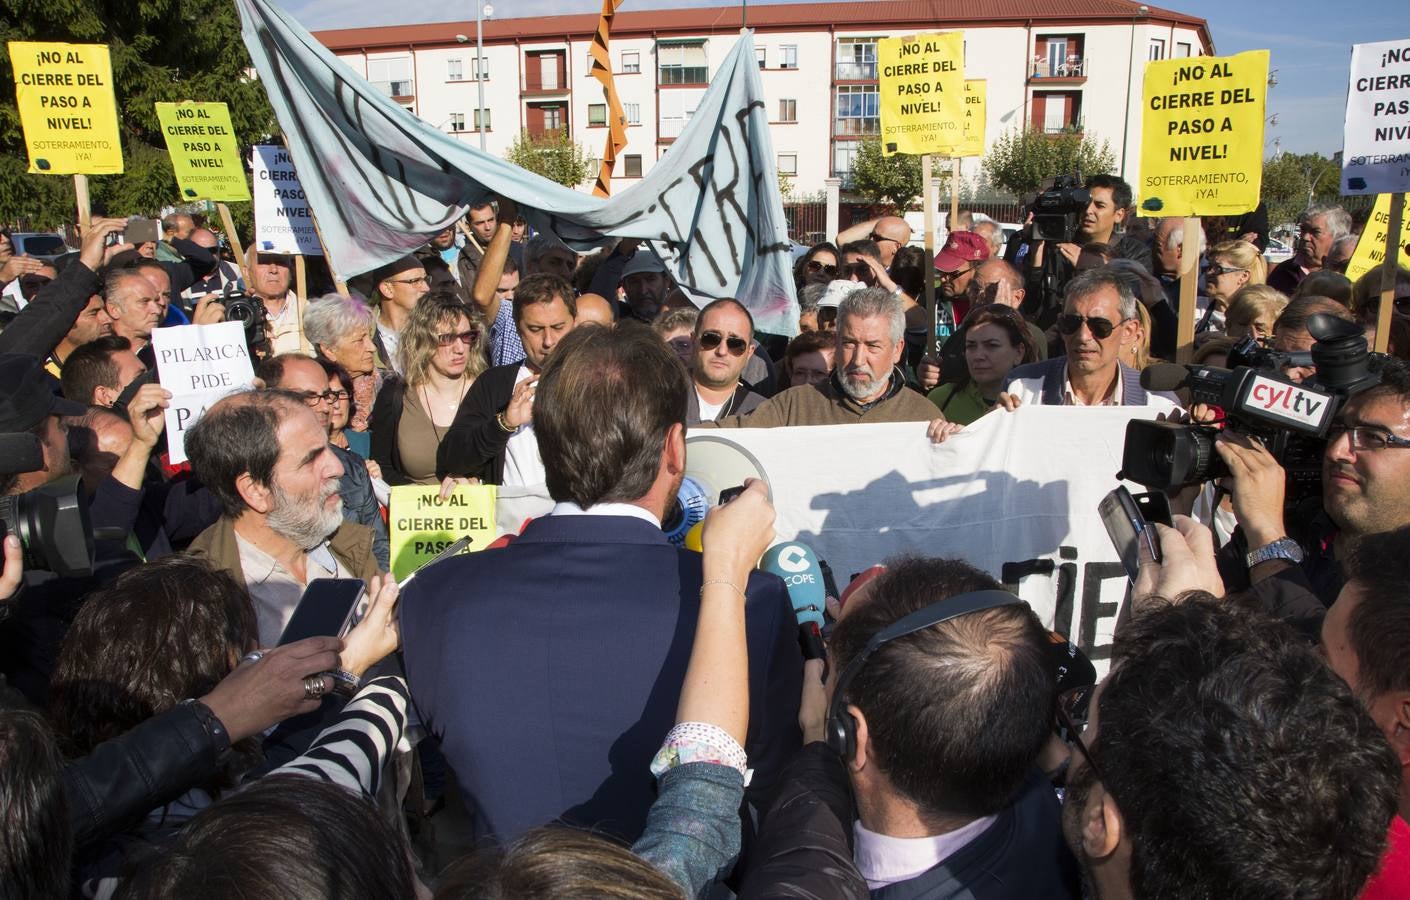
x=1013, y=494
x=381, y=180
x=283, y=220
x=1376, y=148
x=199, y=364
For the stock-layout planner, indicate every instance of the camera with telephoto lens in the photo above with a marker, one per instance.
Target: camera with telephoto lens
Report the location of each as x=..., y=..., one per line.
x=51, y=521
x=1058, y=211
x=249, y=312
x=1290, y=419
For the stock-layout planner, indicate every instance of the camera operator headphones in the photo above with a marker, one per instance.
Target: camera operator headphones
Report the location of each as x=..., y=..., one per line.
x=841, y=730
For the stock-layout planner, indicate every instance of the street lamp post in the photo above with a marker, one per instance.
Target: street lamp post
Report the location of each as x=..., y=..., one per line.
x=481, y=10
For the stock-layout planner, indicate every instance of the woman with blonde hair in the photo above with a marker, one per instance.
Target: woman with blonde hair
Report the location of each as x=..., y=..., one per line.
x=1252, y=312
x=442, y=351
x=1232, y=266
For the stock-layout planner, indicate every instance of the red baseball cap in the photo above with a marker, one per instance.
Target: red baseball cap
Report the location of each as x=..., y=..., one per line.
x=961, y=247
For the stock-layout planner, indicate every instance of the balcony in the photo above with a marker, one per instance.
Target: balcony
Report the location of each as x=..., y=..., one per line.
x=856, y=127
x=856, y=71
x=1047, y=71
x=684, y=75
x=1076, y=127
x=397, y=90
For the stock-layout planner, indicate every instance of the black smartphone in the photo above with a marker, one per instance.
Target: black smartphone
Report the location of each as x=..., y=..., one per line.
x=729, y=494
x=325, y=610
x=1127, y=527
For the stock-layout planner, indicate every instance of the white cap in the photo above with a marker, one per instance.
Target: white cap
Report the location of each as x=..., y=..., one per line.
x=838, y=290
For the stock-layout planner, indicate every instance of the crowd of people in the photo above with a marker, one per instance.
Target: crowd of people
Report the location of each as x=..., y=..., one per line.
x=613, y=715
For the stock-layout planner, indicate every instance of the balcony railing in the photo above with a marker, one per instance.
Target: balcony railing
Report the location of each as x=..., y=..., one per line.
x=856, y=71
x=395, y=88
x=856, y=127
x=1042, y=68
x=1076, y=127
x=684, y=74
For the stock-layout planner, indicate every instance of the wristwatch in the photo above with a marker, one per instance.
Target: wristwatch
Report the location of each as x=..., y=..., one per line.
x=1283, y=548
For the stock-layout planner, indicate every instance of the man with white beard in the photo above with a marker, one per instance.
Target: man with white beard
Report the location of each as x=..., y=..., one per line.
x=266, y=457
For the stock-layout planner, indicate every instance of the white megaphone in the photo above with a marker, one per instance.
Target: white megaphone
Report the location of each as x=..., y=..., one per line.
x=712, y=464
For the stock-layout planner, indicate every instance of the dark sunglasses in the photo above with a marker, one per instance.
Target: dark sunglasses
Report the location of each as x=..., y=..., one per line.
x=468, y=338
x=862, y=272
x=1215, y=270
x=1071, y=323
x=879, y=238
x=815, y=266
x=709, y=340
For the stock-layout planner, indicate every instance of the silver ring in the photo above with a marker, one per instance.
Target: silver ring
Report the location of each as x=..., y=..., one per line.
x=253, y=656
x=314, y=687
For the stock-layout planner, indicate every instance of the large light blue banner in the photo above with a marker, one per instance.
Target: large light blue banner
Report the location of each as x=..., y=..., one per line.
x=380, y=180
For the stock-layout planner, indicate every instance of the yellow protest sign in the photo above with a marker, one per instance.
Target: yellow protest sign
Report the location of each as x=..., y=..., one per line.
x=921, y=93
x=421, y=524
x=203, y=151
x=67, y=108
x=976, y=95
x=1371, y=247
x=1202, y=135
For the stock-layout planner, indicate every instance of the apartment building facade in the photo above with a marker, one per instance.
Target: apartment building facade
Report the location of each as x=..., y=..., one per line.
x=1055, y=65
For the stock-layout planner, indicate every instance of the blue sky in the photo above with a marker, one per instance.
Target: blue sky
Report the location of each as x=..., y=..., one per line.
x=1310, y=44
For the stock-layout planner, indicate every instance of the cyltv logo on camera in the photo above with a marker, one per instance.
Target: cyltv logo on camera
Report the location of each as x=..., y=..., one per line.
x=1285, y=403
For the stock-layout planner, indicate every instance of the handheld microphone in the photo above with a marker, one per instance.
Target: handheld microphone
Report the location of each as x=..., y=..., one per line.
x=797, y=565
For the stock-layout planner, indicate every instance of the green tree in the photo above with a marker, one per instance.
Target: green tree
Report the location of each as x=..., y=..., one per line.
x=1294, y=181
x=553, y=154
x=1023, y=158
x=162, y=51
x=893, y=180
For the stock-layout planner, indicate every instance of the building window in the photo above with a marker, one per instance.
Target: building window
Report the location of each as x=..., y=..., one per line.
x=788, y=110
x=633, y=113
x=597, y=114
x=391, y=76
x=762, y=55
x=788, y=164
x=552, y=118
x=858, y=110
x=1182, y=50
x=631, y=165
x=479, y=69
x=842, y=156
x=1157, y=49
x=1056, y=112
x=856, y=59
x=456, y=70
x=676, y=108
x=683, y=63
x=789, y=52
x=457, y=121
x=1058, y=56
x=481, y=116
x=631, y=61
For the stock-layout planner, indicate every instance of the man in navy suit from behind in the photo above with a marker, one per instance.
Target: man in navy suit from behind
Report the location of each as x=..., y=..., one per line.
x=551, y=668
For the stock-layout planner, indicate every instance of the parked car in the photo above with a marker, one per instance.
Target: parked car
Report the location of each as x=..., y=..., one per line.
x=41, y=245
x=1277, y=252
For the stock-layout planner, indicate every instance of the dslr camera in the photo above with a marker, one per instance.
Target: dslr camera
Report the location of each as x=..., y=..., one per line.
x=51, y=521
x=1058, y=211
x=249, y=312
x=1254, y=398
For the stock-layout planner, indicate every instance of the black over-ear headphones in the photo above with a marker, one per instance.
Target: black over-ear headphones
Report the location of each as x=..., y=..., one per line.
x=841, y=727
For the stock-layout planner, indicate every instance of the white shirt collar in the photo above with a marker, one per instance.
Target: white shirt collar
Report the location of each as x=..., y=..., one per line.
x=884, y=860
x=1112, y=399
x=605, y=509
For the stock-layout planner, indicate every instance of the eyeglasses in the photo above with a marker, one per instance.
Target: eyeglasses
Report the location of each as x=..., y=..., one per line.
x=879, y=238
x=951, y=276
x=1071, y=323
x=1074, y=733
x=1366, y=437
x=709, y=340
x=312, y=399
x=468, y=338
x=1214, y=270
x=421, y=279
x=814, y=266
